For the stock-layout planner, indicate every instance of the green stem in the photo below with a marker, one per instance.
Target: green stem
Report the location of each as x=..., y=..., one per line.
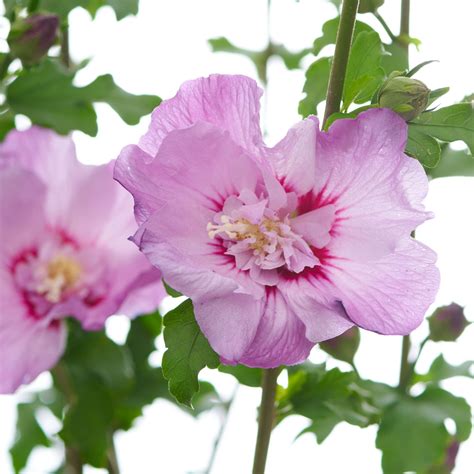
x=341, y=57
x=7, y=60
x=404, y=364
x=112, y=461
x=385, y=26
x=405, y=24
x=64, y=54
x=266, y=419
x=73, y=462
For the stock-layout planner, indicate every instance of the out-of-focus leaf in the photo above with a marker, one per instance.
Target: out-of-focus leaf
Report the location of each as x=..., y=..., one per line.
x=206, y=399
x=187, y=353
x=315, y=86
x=245, y=375
x=415, y=427
x=441, y=370
x=29, y=434
x=122, y=8
x=7, y=123
x=370, y=6
x=46, y=95
x=453, y=163
x=364, y=73
x=173, y=293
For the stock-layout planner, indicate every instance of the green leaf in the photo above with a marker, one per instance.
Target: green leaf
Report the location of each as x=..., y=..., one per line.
x=370, y=6
x=322, y=427
x=415, y=427
x=7, y=123
x=315, y=86
x=453, y=163
x=437, y=93
x=187, y=353
x=88, y=421
x=292, y=60
x=206, y=399
x=364, y=73
x=29, y=434
x=46, y=95
x=245, y=375
x=448, y=124
x=414, y=70
x=130, y=107
x=441, y=370
x=395, y=58
x=330, y=31
x=423, y=147
x=171, y=291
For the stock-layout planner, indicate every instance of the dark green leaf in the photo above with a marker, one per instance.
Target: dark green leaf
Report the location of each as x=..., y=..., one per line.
x=141, y=338
x=343, y=347
x=322, y=427
x=187, y=353
x=369, y=6
x=29, y=434
x=245, y=375
x=330, y=31
x=122, y=8
x=423, y=147
x=315, y=86
x=453, y=163
x=415, y=427
x=441, y=370
x=7, y=123
x=364, y=73
x=171, y=291
x=206, y=399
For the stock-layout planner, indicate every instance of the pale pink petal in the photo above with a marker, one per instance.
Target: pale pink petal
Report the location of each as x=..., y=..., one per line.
x=22, y=197
x=294, y=158
x=231, y=103
x=280, y=338
x=389, y=296
x=362, y=170
x=314, y=226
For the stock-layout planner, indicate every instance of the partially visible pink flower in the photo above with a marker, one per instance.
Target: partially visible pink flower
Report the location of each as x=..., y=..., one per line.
x=280, y=248
x=64, y=252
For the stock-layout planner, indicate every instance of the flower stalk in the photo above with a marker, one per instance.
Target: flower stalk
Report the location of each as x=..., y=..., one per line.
x=341, y=57
x=266, y=419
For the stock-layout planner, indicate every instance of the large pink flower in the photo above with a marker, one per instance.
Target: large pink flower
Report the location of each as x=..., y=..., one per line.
x=280, y=248
x=64, y=252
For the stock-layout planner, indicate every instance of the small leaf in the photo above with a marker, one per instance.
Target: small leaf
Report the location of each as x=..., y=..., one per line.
x=315, y=86
x=171, y=291
x=441, y=370
x=245, y=375
x=437, y=93
x=187, y=353
x=364, y=74
x=414, y=70
x=29, y=434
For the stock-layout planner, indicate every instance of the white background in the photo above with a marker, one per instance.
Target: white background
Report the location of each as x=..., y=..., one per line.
x=166, y=45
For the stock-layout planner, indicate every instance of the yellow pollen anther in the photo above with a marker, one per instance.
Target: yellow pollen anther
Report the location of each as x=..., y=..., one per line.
x=62, y=273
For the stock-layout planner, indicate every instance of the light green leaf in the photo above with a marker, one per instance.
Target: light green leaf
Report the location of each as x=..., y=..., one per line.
x=415, y=427
x=315, y=86
x=441, y=370
x=29, y=434
x=245, y=375
x=122, y=8
x=364, y=74
x=453, y=163
x=172, y=292
x=188, y=352
x=423, y=147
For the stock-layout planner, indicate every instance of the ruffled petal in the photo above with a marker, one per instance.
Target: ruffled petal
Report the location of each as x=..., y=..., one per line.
x=231, y=103
x=280, y=337
x=376, y=188
x=392, y=295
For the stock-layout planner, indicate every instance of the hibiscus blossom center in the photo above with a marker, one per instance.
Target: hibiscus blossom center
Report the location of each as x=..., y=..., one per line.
x=261, y=239
x=60, y=275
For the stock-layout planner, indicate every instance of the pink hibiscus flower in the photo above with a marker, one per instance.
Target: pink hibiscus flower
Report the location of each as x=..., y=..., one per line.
x=64, y=252
x=280, y=248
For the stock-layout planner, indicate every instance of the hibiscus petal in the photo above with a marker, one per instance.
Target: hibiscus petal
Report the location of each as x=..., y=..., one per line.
x=231, y=103
x=280, y=338
x=314, y=226
x=389, y=296
x=377, y=190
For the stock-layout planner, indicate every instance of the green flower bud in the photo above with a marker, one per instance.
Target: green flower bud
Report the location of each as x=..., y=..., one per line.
x=343, y=347
x=447, y=323
x=30, y=38
x=369, y=6
x=406, y=96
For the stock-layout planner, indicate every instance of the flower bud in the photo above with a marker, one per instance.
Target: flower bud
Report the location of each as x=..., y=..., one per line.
x=447, y=323
x=406, y=96
x=30, y=38
x=369, y=6
x=343, y=347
